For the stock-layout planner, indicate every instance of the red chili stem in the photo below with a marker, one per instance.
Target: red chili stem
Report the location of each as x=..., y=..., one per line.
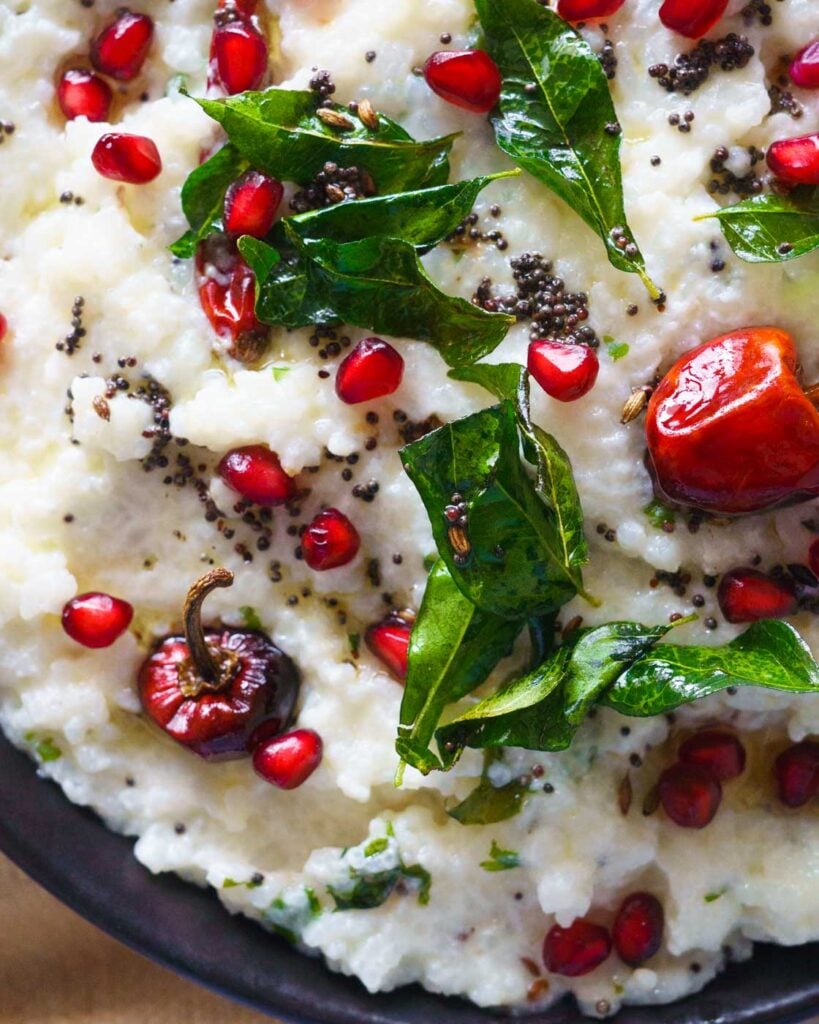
x=207, y=667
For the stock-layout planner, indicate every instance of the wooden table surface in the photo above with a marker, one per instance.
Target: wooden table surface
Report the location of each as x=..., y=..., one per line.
x=55, y=968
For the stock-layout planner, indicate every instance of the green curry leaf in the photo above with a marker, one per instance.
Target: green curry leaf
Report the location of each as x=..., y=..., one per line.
x=556, y=120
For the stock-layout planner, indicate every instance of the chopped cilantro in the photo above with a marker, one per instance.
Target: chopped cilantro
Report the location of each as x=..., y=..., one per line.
x=45, y=749
x=711, y=897
x=375, y=846
x=500, y=859
x=659, y=514
x=354, y=640
x=616, y=349
x=250, y=617
x=280, y=372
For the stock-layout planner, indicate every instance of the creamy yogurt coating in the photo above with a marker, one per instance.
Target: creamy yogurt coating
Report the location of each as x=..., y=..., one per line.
x=78, y=512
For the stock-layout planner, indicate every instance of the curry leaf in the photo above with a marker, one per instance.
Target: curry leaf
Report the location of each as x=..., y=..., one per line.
x=555, y=118
x=770, y=654
x=508, y=559
x=375, y=283
x=422, y=217
x=555, y=477
x=203, y=197
x=278, y=131
x=487, y=803
x=529, y=713
x=453, y=648
x=772, y=229
x=600, y=657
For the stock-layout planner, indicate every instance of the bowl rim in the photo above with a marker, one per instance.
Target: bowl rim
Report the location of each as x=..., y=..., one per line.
x=68, y=850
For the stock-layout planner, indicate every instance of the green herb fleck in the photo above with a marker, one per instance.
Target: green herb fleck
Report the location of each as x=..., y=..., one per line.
x=45, y=748
x=354, y=640
x=659, y=515
x=280, y=372
x=616, y=349
x=500, y=859
x=711, y=897
x=376, y=846
x=250, y=617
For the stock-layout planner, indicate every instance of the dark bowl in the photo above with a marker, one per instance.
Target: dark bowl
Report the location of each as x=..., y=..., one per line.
x=68, y=851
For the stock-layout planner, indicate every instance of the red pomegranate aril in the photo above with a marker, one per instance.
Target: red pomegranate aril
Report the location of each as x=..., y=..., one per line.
x=227, y=291
x=330, y=541
x=580, y=10
x=637, y=931
x=721, y=754
x=796, y=160
x=576, y=950
x=96, y=619
x=692, y=18
x=690, y=795
x=256, y=473
x=747, y=595
x=81, y=93
x=565, y=372
x=466, y=78
x=133, y=159
x=290, y=759
x=121, y=48
x=804, y=69
x=4, y=326
x=251, y=204
x=372, y=370
x=389, y=641
x=238, y=57
x=243, y=8
x=797, y=773
x=813, y=557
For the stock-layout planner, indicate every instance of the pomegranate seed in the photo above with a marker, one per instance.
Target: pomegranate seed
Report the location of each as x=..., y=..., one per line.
x=4, y=326
x=256, y=473
x=638, y=928
x=689, y=795
x=96, y=620
x=121, y=48
x=465, y=78
x=371, y=370
x=243, y=8
x=796, y=160
x=238, y=57
x=797, y=773
x=746, y=595
x=227, y=289
x=130, y=158
x=804, y=69
x=566, y=372
x=330, y=541
x=813, y=557
x=692, y=18
x=290, y=759
x=389, y=641
x=251, y=204
x=576, y=950
x=720, y=753
x=579, y=10
x=81, y=93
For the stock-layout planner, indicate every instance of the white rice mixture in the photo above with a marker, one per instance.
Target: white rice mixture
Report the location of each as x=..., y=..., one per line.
x=143, y=541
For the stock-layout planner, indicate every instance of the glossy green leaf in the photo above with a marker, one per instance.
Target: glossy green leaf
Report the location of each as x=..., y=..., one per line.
x=375, y=283
x=599, y=658
x=453, y=648
x=552, y=117
x=770, y=228
x=555, y=476
x=529, y=712
x=488, y=804
x=277, y=131
x=203, y=197
x=514, y=567
x=422, y=217
x=770, y=654
x=369, y=889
